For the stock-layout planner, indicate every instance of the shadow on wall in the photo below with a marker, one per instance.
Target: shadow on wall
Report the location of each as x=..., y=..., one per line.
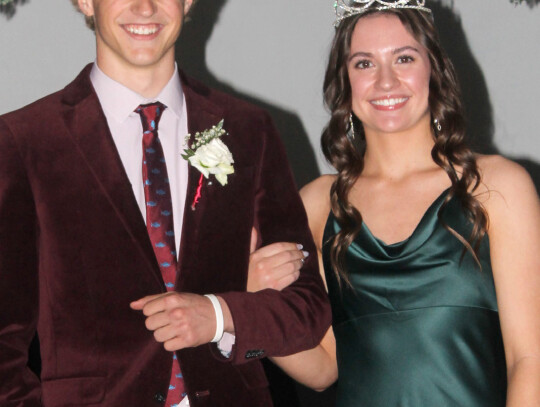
x=191, y=57
x=475, y=94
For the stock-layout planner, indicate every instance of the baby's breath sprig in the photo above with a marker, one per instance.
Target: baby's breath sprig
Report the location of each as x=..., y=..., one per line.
x=202, y=138
x=209, y=154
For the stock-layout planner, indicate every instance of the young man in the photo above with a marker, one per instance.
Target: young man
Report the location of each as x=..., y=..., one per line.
x=118, y=305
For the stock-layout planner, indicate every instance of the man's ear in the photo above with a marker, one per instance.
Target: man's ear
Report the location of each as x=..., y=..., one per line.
x=86, y=7
x=187, y=5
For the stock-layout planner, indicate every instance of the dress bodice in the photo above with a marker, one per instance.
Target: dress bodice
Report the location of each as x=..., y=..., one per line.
x=419, y=324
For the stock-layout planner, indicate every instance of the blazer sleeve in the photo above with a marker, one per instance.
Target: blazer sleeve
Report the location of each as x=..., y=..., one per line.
x=18, y=278
x=270, y=322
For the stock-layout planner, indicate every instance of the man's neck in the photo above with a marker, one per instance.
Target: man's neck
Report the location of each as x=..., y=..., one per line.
x=146, y=81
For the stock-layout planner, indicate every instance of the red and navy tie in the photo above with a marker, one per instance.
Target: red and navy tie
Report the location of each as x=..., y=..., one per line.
x=159, y=218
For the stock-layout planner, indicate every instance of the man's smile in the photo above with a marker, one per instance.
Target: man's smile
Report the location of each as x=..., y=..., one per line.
x=142, y=29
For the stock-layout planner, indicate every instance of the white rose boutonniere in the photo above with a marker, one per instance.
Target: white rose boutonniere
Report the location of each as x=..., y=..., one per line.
x=209, y=154
x=213, y=158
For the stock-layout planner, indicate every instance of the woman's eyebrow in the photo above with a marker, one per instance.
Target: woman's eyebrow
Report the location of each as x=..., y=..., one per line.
x=405, y=48
x=361, y=54
x=394, y=52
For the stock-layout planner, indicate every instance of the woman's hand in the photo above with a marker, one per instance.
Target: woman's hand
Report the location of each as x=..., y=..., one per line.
x=275, y=266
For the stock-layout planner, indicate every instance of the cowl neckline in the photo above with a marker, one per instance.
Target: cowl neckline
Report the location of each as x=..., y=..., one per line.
x=367, y=244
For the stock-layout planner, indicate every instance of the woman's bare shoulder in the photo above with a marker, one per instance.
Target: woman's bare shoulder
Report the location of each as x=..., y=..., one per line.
x=316, y=198
x=506, y=185
x=319, y=185
x=503, y=176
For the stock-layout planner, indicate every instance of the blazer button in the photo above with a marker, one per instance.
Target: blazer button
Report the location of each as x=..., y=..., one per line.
x=255, y=353
x=159, y=397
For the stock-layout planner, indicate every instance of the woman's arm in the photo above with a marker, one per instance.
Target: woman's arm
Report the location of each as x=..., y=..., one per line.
x=514, y=232
x=274, y=266
x=315, y=368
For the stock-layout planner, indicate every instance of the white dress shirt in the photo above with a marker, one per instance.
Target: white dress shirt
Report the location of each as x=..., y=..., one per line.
x=119, y=104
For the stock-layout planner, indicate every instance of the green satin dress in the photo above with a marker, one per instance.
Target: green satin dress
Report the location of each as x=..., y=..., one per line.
x=419, y=328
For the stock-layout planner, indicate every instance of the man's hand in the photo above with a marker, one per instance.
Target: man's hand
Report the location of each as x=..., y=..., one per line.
x=180, y=320
x=274, y=266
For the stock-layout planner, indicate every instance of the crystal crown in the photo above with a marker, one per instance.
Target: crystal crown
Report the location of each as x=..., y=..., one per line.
x=344, y=11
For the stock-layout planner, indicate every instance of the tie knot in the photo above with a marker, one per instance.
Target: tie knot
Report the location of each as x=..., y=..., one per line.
x=150, y=115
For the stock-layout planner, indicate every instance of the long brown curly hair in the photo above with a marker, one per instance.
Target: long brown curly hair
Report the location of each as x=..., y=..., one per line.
x=450, y=149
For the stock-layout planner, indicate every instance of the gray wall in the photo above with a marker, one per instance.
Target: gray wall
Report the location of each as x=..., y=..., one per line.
x=273, y=52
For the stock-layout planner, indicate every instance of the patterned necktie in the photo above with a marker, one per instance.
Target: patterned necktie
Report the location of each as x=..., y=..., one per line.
x=159, y=218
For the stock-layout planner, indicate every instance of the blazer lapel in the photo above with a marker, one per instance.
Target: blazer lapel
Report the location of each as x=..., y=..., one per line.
x=88, y=127
x=202, y=115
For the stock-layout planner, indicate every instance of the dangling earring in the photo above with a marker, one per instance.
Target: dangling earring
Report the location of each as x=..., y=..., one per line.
x=350, y=133
x=437, y=125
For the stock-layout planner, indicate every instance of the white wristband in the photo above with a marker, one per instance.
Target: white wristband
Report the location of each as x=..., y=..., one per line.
x=219, y=317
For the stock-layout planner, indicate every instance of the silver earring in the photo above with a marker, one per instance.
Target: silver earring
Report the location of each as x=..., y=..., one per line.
x=437, y=125
x=350, y=133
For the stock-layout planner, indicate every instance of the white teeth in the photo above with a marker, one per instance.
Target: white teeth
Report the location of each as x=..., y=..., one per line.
x=141, y=30
x=389, y=102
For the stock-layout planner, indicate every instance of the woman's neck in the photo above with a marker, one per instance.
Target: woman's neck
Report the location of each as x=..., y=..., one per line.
x=394, y=156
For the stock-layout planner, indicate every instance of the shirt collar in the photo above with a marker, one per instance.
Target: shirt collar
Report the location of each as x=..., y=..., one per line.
x=118, y=101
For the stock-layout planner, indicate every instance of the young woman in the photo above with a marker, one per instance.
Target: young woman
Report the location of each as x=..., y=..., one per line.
x=430, y=252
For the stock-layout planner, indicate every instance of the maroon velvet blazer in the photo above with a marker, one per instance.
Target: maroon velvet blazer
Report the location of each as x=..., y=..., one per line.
x=74, y=252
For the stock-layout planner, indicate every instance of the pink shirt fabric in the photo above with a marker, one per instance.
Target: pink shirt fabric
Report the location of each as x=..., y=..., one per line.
x=118, y=103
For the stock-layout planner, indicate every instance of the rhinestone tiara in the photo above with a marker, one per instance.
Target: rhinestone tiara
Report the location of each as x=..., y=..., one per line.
x=344, y=11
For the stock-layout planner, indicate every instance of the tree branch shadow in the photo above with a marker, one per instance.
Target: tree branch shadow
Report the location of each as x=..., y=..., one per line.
x=530, y=3
x=10, y=8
